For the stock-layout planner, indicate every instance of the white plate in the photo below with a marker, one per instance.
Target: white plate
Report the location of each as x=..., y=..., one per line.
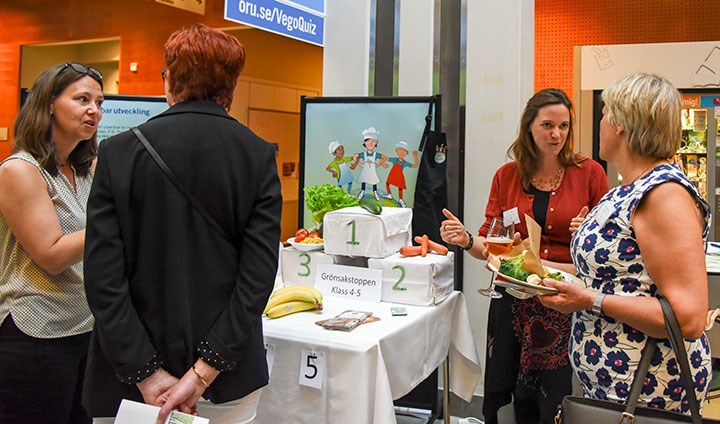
x=506, y=281
x=305, y=247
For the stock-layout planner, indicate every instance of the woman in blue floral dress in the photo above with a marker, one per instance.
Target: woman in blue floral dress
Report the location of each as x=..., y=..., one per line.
x=644, y=238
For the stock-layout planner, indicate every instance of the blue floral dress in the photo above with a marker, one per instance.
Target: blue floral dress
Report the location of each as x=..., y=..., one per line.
x=605, y=352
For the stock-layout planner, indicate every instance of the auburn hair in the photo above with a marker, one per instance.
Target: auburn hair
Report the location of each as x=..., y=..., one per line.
x=204, y=64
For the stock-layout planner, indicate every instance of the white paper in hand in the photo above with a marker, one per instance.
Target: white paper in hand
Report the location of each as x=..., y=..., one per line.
x=131, y=412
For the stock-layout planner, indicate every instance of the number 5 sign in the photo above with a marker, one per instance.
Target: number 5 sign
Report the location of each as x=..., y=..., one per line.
x=312, y=369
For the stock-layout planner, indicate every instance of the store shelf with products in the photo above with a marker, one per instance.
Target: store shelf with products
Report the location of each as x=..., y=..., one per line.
x=692, y=157
x=699, y=153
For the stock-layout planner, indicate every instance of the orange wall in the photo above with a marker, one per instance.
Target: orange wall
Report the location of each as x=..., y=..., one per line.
x=142, y=26
x=560, y=25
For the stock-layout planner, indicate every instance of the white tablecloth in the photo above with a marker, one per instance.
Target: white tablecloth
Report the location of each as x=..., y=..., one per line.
x=368, y=367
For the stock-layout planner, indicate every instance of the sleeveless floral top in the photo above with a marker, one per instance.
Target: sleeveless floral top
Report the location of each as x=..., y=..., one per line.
x=605, y=352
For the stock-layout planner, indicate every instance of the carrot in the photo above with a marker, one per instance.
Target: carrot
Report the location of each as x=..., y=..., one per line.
x=424, y=245
x=435, y=247
x=410, y=250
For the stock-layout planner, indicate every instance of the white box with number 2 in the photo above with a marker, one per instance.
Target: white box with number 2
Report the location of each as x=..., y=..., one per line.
x=353, y=231
x=416, y=280
x=298, y=268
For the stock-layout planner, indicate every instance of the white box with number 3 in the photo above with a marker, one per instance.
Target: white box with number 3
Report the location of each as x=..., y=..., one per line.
x=298, y=268
x=415, y=280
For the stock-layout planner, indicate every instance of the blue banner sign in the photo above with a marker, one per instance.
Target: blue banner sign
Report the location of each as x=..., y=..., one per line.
x=281, y=17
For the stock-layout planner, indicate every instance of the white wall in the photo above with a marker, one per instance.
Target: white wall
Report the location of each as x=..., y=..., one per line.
x=415, y=66
x=500, y=79
x=346, y=55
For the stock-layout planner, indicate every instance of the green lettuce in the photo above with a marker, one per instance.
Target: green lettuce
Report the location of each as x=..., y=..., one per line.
x=323, y=198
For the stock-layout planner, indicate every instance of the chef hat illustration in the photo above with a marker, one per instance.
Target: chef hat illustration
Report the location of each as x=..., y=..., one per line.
x=333, y=146
x=370, y=133
x=403, y=145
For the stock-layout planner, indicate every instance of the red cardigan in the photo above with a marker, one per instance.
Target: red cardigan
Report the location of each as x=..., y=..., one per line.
x=583, y=185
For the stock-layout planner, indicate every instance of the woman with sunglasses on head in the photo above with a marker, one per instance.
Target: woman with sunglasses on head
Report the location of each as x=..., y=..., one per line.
x=44, y=187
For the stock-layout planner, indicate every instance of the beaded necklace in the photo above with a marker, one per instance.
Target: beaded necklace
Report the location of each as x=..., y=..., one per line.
x=550, y=184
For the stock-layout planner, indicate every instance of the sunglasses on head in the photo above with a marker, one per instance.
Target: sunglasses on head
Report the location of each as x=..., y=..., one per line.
x=83, y=70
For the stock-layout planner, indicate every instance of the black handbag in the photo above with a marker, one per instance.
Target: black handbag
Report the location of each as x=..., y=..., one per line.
x=581, y=410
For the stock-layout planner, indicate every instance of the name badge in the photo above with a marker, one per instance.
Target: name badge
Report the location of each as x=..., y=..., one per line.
x=511, y=216
x=604, y=213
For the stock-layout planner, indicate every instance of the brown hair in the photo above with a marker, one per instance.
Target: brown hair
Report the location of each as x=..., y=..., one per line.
x=33, y=124
x=204, y=64
x=524, y=151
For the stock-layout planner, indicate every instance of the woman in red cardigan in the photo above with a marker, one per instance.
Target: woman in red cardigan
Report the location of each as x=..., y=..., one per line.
x=527, y=345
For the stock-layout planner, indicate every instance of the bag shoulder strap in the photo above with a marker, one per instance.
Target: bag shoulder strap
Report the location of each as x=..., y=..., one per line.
x=676, y=340
x=179, y=185
x=639, y=378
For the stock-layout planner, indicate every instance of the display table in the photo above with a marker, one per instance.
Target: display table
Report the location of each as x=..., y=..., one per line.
x=366, y=369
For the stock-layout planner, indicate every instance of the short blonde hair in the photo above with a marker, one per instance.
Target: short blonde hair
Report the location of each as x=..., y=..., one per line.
x=648, y=107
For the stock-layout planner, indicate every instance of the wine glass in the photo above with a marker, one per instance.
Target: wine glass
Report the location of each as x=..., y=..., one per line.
x=499, y=240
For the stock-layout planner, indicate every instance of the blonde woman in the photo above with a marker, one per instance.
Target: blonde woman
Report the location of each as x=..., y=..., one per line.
x=645, y=238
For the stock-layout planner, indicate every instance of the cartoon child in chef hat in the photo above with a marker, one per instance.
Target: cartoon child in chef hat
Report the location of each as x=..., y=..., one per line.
x=341, y=167
x=396, y=177
x=369, y=161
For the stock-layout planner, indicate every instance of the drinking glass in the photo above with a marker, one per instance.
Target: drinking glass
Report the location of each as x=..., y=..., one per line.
x=499, y=240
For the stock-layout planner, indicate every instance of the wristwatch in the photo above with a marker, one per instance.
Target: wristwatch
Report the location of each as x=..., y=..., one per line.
x=597, y=304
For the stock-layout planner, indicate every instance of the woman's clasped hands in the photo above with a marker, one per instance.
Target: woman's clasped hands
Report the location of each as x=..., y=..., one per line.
x=170, y=393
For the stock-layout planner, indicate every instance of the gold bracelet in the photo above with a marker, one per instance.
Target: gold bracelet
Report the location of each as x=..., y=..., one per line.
x=202, y=380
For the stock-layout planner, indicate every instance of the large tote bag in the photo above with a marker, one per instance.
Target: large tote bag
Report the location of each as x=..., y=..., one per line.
x=581, y=410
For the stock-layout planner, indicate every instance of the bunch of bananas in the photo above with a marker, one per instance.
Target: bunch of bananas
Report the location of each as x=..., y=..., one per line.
x=288, y=300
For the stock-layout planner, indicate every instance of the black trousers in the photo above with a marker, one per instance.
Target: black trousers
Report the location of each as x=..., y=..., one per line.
x=41, y=379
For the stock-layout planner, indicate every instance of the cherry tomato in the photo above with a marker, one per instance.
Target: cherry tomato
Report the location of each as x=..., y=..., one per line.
x=301, y=232
x=300, y=238
x=314, y=234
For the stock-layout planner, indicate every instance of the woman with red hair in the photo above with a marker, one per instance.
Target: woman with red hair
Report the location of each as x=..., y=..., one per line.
x=177, y=294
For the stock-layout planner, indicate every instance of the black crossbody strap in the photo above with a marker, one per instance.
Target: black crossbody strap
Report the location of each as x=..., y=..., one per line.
x=181, y=188
x=676, y=340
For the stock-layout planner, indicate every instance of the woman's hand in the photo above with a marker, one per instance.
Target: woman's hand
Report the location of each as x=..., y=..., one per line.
x=575, y=222
x=184, y=395
x=156, y=384
x=452, y=231
x=570, y=297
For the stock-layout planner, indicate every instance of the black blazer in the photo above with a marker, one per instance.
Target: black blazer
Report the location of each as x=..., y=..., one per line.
x=159, y=278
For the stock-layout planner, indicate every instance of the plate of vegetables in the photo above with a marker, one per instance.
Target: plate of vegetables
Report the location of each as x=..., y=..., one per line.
x=306, y=240
x=511, y=274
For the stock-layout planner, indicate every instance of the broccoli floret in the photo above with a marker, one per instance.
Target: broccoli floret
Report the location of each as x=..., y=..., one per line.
x=513, y=268
x=554, y=276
